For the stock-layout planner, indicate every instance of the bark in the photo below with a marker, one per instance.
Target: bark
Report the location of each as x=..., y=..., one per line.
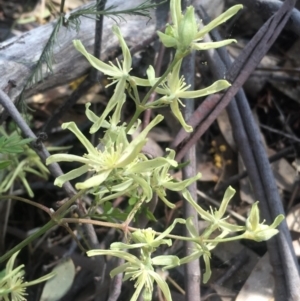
x=19, y=55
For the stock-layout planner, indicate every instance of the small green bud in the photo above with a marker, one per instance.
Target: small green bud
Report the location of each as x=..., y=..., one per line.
x=188, y=28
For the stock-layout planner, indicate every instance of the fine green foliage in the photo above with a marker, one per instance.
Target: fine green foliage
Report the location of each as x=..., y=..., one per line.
x=12, y=284
x=12, y=144
x=17, y=160
x=73, y=19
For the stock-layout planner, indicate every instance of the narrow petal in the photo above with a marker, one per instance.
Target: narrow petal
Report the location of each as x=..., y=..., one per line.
x=119, y=269
x=90, y=114
x=149, y=165
x=167, y=260
x=175, y=9
x=167, y=40
x=94, y=181
x=120, y=254
x=176, y=111
x=140, y=81
x=170, y=228
x=207, y=273
x=134, y=148
x=147, y=191
x=161, y=283
x=217, y=86
x=179, y=186
x=140, y=284
x=151, y=75
x=116, y=117
x=252, y=222
x=75, y=173
x=66, y=158
x=125, y=50
x=119, y=90
x=212, y=45
x=204, y=214
x=219, y=20
x=120, y=246
x=229, y=193
x=71, y=126
x=173, y=79
x=163, y=198
x=96, y=63
x=190, y=226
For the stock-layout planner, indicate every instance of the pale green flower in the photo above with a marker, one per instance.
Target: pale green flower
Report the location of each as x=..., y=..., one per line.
x=119, y=74
x=141, y=270
x=215, y=217
x=115, y=155
x=175, y=88
x=257, y=231
x=184, y=33
x=12, y=285
x=162, y=180
x=146, y=238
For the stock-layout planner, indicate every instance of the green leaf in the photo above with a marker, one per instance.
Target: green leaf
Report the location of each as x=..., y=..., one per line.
x=56, y=287
x=5, y=163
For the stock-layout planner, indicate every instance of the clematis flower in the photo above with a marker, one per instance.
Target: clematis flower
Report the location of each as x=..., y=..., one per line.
x=215, y=218
x=184, y=33
x=175, y=88
x=119, y=75
x=162, y=180
x=115, y=155
x=257, y=231
x=12, y=285
x=141, y=270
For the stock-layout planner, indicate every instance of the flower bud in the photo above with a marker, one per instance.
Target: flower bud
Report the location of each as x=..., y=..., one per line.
x=187, y=29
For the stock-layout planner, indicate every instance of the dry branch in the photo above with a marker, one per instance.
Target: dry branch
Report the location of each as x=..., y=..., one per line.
x=19, y=55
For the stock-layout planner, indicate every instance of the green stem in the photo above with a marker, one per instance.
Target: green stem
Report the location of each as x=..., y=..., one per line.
x=161, y=79
x=56, y=218
x=224, y=239
x=17, y=198
x=118, y=226
x=134, y=118
x=60, y=212
x=28, y=240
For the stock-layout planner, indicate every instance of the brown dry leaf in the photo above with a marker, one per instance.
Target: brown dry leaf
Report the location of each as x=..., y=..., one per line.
x=283, y=171
x=260, y=284
x=226, y=129
x=209, y=171
x=160, y=134
x=246, y=193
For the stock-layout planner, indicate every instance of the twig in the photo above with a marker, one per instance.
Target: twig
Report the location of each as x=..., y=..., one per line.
x=270, y=129
x=192, y=270
x=247, y=136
